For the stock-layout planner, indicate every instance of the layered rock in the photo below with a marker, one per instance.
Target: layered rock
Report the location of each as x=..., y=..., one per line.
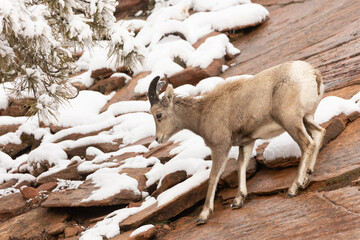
x=336, y=159
x=334, y=128
x=40, y=222
x=312, y=215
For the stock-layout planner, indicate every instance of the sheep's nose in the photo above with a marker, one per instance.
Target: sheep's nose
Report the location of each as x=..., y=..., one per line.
x=156, y=139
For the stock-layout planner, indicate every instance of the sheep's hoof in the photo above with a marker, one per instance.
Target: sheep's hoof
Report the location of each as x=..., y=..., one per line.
x=309, y=171
x=306, y=183
x=290, y=195
x=200, y=221
x=235, y=206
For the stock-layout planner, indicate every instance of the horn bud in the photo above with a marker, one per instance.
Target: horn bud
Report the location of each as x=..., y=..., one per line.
x=152, y=92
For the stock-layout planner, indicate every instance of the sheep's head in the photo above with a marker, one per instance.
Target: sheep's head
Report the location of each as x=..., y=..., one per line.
x=163, y=111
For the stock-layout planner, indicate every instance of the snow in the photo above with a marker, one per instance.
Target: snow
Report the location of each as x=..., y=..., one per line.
x=4, y=97
x=130, y=121
x=138, y=13
x=155, y=174
x=135, y=126
x=6, y=162
x=8, y=120
x=284, y=146
x=109, y=227
x=143, y=83
x=101, y=157
x=109, y=182
x=10, y=138
x=48, y=152
x=179, y=189
x=141, y=229
x=7, y=191
x=4, y=177
x=215, y=5
x=333, y=106
x=82, y=109
x=191, y=146
x=63, y=185
x=60, y=165
x=139, y=162
x=120, y=74
x=128, y=107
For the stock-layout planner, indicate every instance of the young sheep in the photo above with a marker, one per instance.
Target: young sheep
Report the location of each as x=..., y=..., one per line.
x=237, y=112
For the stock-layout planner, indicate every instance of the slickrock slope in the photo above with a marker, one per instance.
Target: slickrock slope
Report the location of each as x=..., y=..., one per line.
x=324, y=33
x=327, y=35
x=109, y=176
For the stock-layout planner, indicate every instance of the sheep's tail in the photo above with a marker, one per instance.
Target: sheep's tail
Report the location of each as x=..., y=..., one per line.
x=318, y=81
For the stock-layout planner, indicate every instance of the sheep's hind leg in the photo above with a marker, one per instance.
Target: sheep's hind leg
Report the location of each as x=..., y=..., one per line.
x=243, y=161
x=317, y=133
x=307, y=146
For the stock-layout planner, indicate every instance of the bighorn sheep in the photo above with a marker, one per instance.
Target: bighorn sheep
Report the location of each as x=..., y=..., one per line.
x=237, y=112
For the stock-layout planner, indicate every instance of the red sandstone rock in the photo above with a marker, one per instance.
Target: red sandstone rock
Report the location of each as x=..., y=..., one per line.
x=69, y=173
x=127, y=92
x=72, y=231
x=13, y=149
x=29, y=192
x=147, y=235
x=14, y=109
x=154, y=213
x=193, y=75
x=308, y=216
x=145, y=141
x=8, y=184
x=32, y=224
x=334, y=128
x=332, y=47
x=76, y=136
x=101, y=73
x=11, y=205
x=230, y=174
x=108, y=85
x=169, y=181
x=127, y=7
x=203, y=39
x=47, y=187
x=73, y=198
x=79, y=86
x=337, y=158
x=8, y=128
x=162, y=152
x=104, y=147
x=57, y=228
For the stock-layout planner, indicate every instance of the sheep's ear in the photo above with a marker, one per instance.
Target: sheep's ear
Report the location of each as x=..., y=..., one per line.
x=169, y=93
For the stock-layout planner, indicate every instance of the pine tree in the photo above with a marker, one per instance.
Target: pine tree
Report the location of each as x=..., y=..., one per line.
x=38, y=38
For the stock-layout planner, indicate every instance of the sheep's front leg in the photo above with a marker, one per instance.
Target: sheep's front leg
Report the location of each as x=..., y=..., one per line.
x=219, y=159
x=243, y=161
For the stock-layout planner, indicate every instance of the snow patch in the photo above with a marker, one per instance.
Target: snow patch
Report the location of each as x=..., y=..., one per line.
x=109, y=227
x=7, y=191
x=141, y=229
x=110, y=182
x=64, y=185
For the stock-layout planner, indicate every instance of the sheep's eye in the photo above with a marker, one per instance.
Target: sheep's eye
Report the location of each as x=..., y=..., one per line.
x=158, y=116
